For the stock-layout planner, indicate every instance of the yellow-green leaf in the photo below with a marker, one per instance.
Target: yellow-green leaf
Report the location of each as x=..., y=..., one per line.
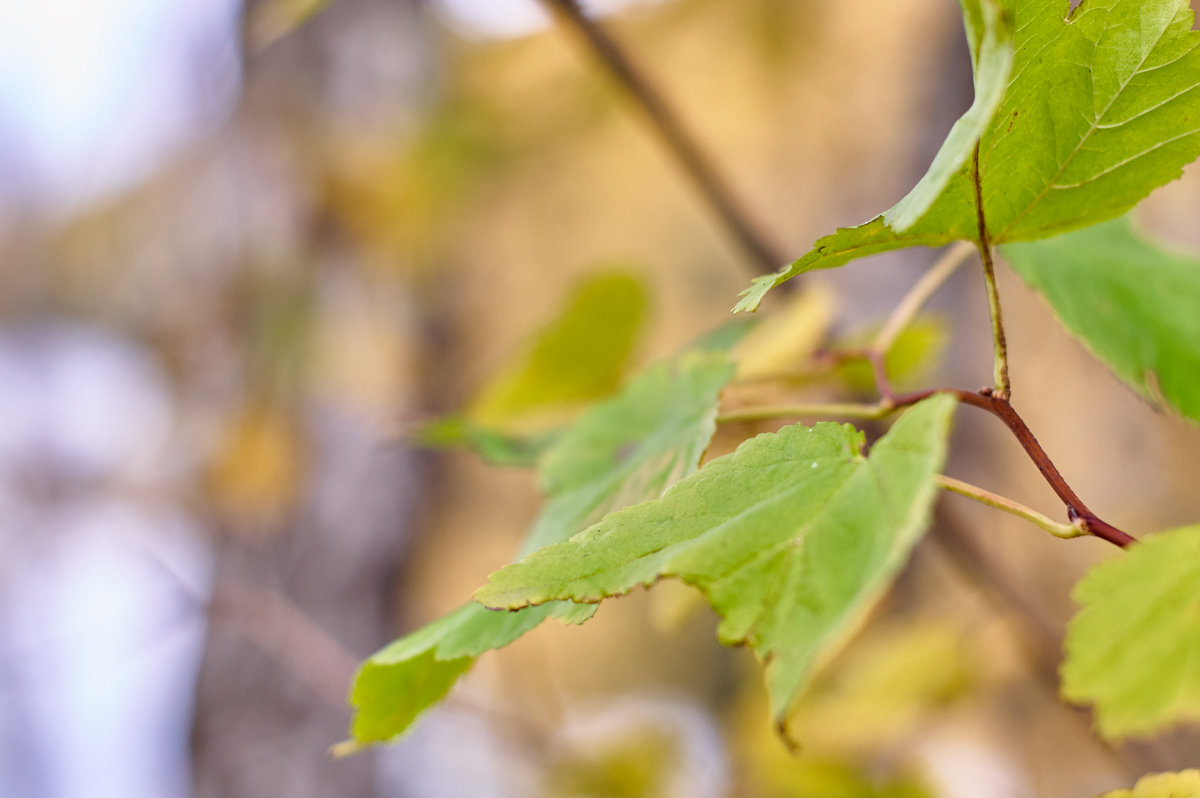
x=914, y=220
x=576, y=359
x=792, y=538
x=1133, y=650
x=1078, y=116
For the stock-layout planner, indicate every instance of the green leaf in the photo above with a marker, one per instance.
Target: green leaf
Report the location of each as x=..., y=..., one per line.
x=625, y=450
x=990, y=34
x=792, y=538
x=847, y=244
x=1185, y=784
x=1133, y=650
x=578, y=358
x=1102, y=107
x=632, y=448
x=1133, y=303
x=497, y=448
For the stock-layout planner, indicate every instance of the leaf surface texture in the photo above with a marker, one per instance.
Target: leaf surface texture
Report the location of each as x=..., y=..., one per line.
x=792, y=538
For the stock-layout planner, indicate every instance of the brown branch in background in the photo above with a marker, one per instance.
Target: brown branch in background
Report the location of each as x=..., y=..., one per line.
x=299, y=646
x=677, y=139
x=287, y=635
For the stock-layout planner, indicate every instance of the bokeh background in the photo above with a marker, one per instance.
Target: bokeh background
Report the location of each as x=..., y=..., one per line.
x=247, y=247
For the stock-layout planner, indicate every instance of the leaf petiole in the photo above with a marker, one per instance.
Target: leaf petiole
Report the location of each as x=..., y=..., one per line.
x=1056, y=528
x=834, y=409
x=1002, y=389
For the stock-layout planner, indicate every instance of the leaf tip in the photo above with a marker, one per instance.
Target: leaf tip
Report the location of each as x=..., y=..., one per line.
x=752, y=297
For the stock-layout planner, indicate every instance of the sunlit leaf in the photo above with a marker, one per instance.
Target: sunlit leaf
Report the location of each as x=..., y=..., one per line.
x=990, y=34
x=578, y=358
x=1102, y=107
x=1133, y=303
x=624, y=450
x=1133, y=650
x=792, y=538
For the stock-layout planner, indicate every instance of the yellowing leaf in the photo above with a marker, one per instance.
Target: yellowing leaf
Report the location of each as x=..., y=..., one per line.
x=813, y=777
x=912, y=356
x=255, y=472
x=785, y=341
x=877, y=692
x=579, y=357
x=1163, y=785
x=792, y=538
x=1133, y=650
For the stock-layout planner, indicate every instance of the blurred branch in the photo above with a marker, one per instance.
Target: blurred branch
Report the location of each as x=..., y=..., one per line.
x=678, y=140
x=288, y=636
x=283, y=632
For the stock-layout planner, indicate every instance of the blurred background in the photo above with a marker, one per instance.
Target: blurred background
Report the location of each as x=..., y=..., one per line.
x=245, y=247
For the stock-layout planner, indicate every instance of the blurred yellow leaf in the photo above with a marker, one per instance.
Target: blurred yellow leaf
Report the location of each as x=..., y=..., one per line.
x=399, y=199
x=635, y=767
x=916, y=352
x=255, y=472
x=881, y=688
x=865, y=703
x=576, y=359
x=827, y=778
x=784, y=341
x=1185, y=784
